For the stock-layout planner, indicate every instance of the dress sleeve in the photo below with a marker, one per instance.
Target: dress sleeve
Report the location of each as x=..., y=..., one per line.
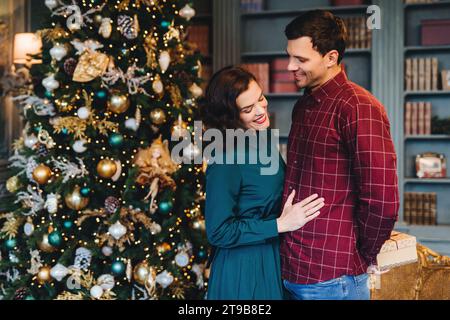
x=224, y=228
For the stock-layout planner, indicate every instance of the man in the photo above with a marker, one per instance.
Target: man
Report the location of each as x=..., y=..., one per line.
x=339, y=147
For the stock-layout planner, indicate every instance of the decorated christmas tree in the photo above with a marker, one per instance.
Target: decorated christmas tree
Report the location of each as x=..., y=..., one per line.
x=100, y=209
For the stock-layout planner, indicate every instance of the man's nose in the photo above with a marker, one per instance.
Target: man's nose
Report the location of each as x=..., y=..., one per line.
x=292, y=66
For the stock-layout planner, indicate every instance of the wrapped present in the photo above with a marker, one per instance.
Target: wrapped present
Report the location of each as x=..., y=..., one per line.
x=399, y=250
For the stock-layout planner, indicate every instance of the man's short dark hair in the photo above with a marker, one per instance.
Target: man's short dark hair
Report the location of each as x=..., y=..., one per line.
x=327, y=31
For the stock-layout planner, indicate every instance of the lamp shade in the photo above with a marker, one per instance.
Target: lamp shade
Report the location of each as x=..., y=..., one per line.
x=26, y=44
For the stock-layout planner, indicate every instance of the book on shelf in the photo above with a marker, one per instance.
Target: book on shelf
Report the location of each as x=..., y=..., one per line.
x=261, y=73
x=199, y=36
x=434, y=74
x=359, y=36
x=414, y=118
x=415, y=74
x=281, y=79
x=420, y=208
x=408, y=75
x=421, y=74
x=249, y=6
x=421, y=118
x=445, y=75
x=427, y=118
x=417, y=118
x=427, y=74
x=408, y=119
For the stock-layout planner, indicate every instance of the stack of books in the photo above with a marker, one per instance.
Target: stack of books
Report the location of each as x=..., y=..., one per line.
x=261, y=72
x=282, y=80
x=199, y=36
x=420, y=208
x=248, y=6
x=418, y=118
x=421, y=74
x=359, y=36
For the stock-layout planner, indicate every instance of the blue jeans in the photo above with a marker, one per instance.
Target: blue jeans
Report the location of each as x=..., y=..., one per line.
x=342, y=288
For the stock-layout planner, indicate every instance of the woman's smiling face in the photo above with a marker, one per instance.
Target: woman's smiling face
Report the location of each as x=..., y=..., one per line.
x=253, y=108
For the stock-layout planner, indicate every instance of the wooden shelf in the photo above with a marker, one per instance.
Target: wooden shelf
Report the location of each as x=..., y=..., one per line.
x=436, y=4
x=426, y=181
x=275, y=13
x=426, y=48
x=429, y=137
x=268, y=54
x=427, y=93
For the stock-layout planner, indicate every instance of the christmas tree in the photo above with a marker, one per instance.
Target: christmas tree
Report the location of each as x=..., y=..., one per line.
x=100, y=209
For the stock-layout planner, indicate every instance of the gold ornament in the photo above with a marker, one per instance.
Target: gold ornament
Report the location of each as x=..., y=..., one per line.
x=13, y=184
x=150, y=46
x=106, y=168
x=75, y=200
x=141, y=272
x=158, y=86
x=43, y=275
x=44, y=245
x=41, y=174
x=199, y=224
x=118, y=103
x=158, y=116
x=91, y=65
x=164, y=247
x=180, y=128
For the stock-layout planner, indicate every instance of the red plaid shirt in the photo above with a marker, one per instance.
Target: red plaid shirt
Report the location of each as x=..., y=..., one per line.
x=339, y=147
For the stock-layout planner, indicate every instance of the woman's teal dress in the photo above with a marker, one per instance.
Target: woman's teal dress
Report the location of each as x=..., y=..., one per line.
x=241, y=210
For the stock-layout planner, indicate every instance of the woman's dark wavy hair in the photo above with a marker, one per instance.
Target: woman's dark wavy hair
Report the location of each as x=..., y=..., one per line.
x=218, y=109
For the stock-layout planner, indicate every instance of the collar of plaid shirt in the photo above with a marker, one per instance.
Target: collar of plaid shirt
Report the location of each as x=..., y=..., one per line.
x=328, y=89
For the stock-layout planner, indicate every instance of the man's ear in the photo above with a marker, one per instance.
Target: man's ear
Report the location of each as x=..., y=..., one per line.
x=332, y=58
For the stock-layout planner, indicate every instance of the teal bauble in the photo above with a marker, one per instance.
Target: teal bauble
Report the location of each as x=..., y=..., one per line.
x=202, y=253
x=165, y=24
x=11, y=243
x=37, y=129
x=64, y=131
x=48, y=94
x=101, y=94
x=29, y=298
x=165, y=206
x=115, y=140
x=118, y=268
x=85, y=191
x=55, y=238
x=68, y=224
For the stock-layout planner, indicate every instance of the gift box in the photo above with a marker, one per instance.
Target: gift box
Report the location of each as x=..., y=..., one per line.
x=399, y=250
x=435, y=32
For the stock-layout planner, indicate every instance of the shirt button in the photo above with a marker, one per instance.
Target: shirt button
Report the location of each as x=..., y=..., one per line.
x=318, y=100
x=290, y=187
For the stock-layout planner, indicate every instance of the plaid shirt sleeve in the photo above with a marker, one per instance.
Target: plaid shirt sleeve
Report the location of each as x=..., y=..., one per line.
x=367, y=137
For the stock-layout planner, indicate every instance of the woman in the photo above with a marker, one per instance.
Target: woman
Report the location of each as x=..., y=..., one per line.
x=243, y=206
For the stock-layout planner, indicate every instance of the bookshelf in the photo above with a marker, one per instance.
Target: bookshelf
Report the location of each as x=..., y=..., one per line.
x=271, y=21
x=436, y=237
